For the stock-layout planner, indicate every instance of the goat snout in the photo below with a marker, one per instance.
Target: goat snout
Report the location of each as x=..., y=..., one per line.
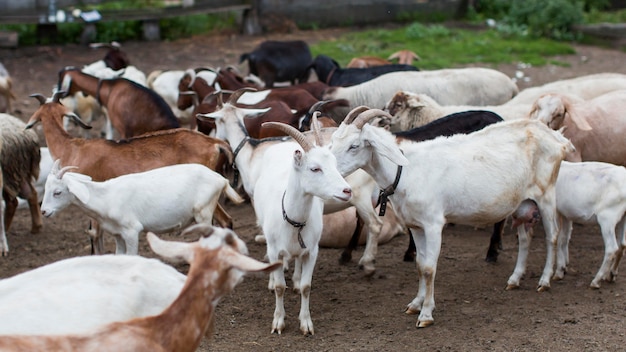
x=346, y=194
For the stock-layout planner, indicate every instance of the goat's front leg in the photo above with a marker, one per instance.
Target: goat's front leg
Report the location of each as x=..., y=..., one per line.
x=374, y=225
x=562, y=254
x=296, y=278
x=428, y=244
x=308, y=265
x=278, y=284
x=547, y=207
x=30, y=193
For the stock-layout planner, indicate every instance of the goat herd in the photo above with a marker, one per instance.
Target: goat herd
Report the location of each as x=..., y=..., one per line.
x=305, y=140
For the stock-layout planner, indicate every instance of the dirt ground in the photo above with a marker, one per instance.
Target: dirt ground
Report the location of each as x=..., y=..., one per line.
x=351, y=312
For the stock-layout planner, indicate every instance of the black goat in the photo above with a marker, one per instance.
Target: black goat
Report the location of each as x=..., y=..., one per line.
x=462, y=122
x=329, y=72
x=279, y=61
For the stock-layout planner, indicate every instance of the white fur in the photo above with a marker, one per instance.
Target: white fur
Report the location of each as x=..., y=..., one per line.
x=476, y=179
x=79, y=294
x=159, y=200
x=464, y=86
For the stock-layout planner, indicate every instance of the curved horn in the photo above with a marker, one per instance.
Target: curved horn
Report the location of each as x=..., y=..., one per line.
x=318, y=105
x=354, y=113
x=315, y=126
x=40, y=97
x=291, y=131
x=58, y=95
x=368, y=115
x=60, y=172
x=192, y=74
x=77, y=119
x=238, y=93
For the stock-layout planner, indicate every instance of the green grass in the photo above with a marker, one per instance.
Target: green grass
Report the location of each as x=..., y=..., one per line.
x=441, y=47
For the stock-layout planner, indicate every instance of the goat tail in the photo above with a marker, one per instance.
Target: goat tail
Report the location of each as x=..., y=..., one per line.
x=152, y=77
x=232, y=194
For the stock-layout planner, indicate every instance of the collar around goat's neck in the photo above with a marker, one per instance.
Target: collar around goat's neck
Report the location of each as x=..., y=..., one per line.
x=385, y=193
x=330, y=75
x=298, y=225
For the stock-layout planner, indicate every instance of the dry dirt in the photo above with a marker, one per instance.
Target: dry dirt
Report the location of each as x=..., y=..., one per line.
x=351, y=312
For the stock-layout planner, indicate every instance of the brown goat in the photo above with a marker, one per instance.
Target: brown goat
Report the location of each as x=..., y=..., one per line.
x=104, y=159
x=404, y=57
x=367, y=61
x=218, y=263
x=133, y=109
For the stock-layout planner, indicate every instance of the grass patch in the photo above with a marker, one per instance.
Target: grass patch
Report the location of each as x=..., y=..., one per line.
x=441, y=47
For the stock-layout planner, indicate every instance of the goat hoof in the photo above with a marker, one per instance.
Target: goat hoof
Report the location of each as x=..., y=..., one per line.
x=425, y=323
x=594, y=285
x=543, y=288
x=345, y=258
x=510, y=287
x=411, y=311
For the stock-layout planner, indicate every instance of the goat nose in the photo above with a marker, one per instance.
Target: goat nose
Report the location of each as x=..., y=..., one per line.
x=347, y=191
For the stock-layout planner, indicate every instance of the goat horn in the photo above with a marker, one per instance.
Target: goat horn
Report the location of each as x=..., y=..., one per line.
x=58, y=95
x=317, y=106
x=238, y=93
x=59, y=172
x=316, y=128
x=40, y=97
x=354, y=113
x=77, y=119
x=367, y=116
x=192, y=74
x=291, y=131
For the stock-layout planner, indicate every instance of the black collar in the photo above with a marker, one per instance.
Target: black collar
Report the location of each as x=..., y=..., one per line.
x=296, y=224
x=385, y=193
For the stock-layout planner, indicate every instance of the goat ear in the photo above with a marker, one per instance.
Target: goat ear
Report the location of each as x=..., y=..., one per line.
x=579, y=121
x=171, y=250
x=78, y=189
x=244, y=263
x=391, y=151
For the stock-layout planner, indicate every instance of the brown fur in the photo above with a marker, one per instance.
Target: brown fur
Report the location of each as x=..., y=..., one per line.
x=104, y=159
x=367, y=61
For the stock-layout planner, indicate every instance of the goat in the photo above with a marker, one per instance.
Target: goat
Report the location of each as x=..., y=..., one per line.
x=461, y=122
x=471, y=86
x=115, y=58
x=290, y=213
x=78, y=294
x=586, y=193
x=218, y=262
x=229, y=121
x=104, y=159
x=596, y=127
x=410, y=110
x=329, y=72
x=124, y=205
x=279, y=61
x=132, y=108
x=5, y=90
x=404, y=57
x=19, y=158
x=584, y=87
x=474, y=179
x=367, y=61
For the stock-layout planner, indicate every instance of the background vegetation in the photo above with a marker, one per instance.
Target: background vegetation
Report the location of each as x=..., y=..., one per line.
x=529, y=31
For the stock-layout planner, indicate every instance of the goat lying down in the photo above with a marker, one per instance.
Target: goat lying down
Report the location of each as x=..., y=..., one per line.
x=78, y=294
x=124, y=206
x=475, y=179
x=218, y=263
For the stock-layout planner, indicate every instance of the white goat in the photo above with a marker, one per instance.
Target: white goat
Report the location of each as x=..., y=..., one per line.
x=596, y=127
x=471, y=86
x=218, y=262
x=584, y=87
x=587, y=193
x=288, y=201
x=410, y=110
x=79, y=294
x=165, y=83
x=475, y=179
x=229, y=121
x=126, y=205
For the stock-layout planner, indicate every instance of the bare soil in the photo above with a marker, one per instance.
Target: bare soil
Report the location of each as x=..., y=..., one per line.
x=350, y=311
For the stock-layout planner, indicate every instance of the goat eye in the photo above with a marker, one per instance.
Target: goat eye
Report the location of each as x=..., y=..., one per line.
x=353, y=147
x=56, y=193
x=316, y=169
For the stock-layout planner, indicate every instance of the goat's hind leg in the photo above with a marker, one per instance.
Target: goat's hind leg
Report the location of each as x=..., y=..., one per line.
x=621, y=229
